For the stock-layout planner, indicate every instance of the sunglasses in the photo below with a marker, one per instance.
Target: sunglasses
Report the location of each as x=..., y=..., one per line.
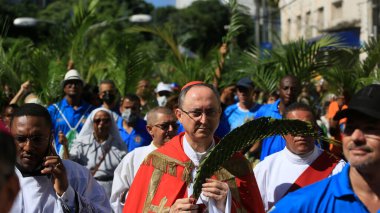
x=166, y=126
x=104, y=120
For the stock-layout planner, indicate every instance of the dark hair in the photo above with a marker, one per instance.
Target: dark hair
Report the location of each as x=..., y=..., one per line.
x=184, y=91
x=132, y=97
x=7, y=156
x=32, y=109
x=298, y=106
x=107, y=81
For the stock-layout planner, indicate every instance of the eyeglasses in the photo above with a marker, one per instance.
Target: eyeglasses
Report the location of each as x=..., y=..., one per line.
x=34, y=139
x=196, y=115
x=104, y=120
x=166, y=126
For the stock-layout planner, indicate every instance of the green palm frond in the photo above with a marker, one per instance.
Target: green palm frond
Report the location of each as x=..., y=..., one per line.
x=236, y=25
x=243, y=137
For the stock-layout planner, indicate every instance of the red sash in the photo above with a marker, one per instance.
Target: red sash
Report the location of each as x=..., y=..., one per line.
x=318, y=170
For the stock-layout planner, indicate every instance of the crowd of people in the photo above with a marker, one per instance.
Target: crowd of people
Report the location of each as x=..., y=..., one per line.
x=141, y=152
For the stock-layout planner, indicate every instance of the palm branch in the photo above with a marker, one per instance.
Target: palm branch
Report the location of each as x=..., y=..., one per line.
x=245, y=136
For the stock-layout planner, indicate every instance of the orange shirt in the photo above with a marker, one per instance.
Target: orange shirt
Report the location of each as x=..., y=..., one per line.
x=333, y=109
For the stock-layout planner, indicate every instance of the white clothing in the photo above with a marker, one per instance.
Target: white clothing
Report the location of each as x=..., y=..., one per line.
x=124, y=174
x=37, y=193
x=196, y=158
x=277, y=172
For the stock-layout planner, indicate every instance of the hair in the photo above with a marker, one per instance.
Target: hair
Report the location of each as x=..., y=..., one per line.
x=7, y=156
x=291, y=77
x=32, y=109
x=13, y=106
x=298, y=106
x=182, y=94
x=151, y=116
x=107, y=81
x=132, y=97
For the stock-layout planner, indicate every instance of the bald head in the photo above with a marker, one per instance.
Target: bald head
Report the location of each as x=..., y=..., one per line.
x=152, y=115
x=184, y=91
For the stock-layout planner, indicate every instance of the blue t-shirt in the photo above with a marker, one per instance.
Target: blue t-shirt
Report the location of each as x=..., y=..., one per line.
x=276, y=143
x=236, y=116
x=138, y=137
x=333, y=194
x=73, y=117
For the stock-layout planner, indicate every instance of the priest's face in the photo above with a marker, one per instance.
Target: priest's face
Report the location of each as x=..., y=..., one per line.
x=361, y=142
x=32, y=137
x=299, y=144
x=199, y=114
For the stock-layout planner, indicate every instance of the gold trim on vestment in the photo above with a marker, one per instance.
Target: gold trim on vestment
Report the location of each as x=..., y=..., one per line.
x=152, y=189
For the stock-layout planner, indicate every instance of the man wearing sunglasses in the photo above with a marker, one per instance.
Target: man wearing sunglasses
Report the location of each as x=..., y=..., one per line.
x=69, y=115
x=162, y=126
x=164, y=181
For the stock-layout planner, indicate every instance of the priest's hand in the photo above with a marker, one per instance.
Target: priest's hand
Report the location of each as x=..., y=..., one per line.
x=184, y=205
x=216, y=190
x=54, y=166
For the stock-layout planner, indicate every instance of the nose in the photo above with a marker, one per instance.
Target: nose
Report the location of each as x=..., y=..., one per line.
x=358, y=136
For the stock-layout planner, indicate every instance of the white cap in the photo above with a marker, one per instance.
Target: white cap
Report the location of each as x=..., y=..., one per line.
x=163, y=87
x=72, y=75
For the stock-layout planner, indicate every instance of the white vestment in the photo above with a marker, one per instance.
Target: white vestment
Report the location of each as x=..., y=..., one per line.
x=125, y=173
x=37, y=193
x=277, y=173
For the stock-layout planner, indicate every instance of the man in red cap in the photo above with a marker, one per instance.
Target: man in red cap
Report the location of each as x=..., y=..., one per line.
x=164, y=182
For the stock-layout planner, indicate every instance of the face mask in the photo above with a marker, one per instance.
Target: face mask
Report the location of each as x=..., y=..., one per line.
x=108, y=97
x=129, y=116
x=162, y=100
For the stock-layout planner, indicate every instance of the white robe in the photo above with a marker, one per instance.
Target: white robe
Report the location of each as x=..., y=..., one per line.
x=37, y=193
x=277, y=172
x=125, y=173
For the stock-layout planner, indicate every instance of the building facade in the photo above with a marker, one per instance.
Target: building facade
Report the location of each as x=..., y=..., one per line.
x=352, y=20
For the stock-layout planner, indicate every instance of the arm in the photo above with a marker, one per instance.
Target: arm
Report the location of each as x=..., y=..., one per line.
x=23, y=89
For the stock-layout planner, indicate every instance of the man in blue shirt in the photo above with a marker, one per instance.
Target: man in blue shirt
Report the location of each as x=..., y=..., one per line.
x=289, y=89
x=245, y=110
x=132, y=127
x=357, y=187
x=69, y=115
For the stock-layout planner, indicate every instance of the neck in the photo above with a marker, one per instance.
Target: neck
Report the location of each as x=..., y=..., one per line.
x=281, y=107
x=365, y=183
x=73, y=100
x=107, y=106
x=199, y=146
x=246, y=105
x=100, y=138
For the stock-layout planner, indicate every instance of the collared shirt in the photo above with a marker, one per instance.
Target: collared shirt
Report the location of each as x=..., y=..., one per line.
x=124, y=174
x=88, y=152
x=38, y=195
x=277, y=173
x=334, y=194
x=276, y=143
x=72, y=115
x=236, y=116
x=138, y=137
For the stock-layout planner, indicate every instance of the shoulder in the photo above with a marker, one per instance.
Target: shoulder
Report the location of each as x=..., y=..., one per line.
x=75, y=171
x=265, y=164
x=307, y=199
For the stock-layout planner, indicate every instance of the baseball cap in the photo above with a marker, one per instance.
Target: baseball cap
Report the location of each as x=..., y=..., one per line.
x=163, y=87
x=366, y=101
x=245, y=82
x=72, y=75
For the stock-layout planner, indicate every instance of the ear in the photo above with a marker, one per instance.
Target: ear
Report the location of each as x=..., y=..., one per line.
x=178, y=114
x=149, y=129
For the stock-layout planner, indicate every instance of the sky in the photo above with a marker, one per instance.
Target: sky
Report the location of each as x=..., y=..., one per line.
x=161, y=3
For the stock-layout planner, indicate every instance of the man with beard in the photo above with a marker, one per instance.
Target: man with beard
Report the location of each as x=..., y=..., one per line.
x=164, y=181
x=108, y=95
x=49, y=184
x=289, y=90
x=132, y=127
x=299, y=164
x=357, y=187
x=69, y=115
x=162, y=126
